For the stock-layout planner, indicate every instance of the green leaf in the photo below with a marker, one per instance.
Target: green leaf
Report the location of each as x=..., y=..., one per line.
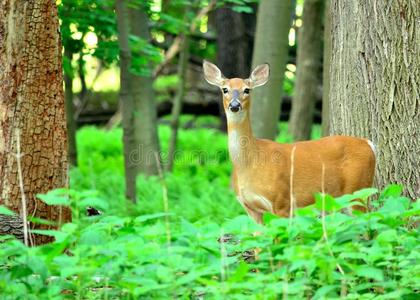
x=268, y=217
x=392, y=190
x=54, y=233
x=92, y=237
x=5, y=211
x=324, y=291
x=387, y=236
x=94, y=202
x=365, y=193
x=41, y=221
x=19, y=271
x=145, y=218
x=308, y=211
x=370, y=272
x=329, y=202
x=37, y=265
x=242, y=9
x=240, y=272
x=393, y=205
x=54, y=199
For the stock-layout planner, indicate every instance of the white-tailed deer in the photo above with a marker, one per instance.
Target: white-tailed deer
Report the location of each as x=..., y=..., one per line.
x=266, y=174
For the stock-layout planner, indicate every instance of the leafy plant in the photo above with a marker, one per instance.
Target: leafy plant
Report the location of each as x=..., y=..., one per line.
x=205, y=247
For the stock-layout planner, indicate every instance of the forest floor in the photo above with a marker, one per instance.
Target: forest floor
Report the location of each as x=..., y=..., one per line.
x=203, y=246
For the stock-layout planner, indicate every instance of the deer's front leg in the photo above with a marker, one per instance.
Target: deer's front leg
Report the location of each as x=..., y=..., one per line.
x=256, y=205
x=254, y=215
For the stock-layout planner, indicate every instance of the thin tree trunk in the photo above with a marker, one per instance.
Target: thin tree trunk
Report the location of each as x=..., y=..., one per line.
x=375, y=91
x=71, y=122
x=232, y=43
x=145, y=118
x=235, y=38
x=126, y=100
x=309, y=54
x=271, y=46
x=326, y=70
x=32, y=106
x=177, y=105
x=81, y=71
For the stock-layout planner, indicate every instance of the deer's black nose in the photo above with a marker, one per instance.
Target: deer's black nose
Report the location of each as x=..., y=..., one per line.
x=235, y=106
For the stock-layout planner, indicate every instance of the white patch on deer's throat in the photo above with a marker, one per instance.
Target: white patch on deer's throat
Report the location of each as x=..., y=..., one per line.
x=235, y=142
x=372, y=145
x=234, y=145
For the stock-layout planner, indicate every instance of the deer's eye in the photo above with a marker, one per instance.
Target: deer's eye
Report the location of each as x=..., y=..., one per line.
x=246, y=91
x=225, y=90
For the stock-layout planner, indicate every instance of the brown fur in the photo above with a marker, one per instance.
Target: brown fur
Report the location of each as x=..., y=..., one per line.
x=262, y=168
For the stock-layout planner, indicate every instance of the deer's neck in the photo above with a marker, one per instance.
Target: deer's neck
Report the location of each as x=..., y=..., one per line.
x=241, y=139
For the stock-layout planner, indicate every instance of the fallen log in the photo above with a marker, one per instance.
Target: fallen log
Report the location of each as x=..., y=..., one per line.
x=211, y=108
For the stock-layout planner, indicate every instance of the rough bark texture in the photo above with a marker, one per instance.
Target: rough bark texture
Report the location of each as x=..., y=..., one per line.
x=326, y=69
x=32, y=101
x=126, y=101
x=374, y=89
x=12, y=225
x=235, y=42
x=308, y=74
x=271, y=46
x=71, y=122
x=145, y=119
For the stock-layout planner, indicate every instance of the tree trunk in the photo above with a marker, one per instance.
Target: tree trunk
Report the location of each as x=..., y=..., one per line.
x=326, y=70
x=235, y=39
x=81, y=70
x=375, y=91
x=271, y=46
x=145, y=119
x=233, y=52
x=32, y=106
x=126, y=101
x=71, y=122
x=177, y=106
x=309, y=51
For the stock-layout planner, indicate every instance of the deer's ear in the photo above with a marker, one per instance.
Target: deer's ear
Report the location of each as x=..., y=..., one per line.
x=259, y=75
x=212, y=74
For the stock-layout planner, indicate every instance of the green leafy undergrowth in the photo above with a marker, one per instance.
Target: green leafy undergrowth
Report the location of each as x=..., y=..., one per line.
x=141, y=252
x=198, y=187
x=162, y=256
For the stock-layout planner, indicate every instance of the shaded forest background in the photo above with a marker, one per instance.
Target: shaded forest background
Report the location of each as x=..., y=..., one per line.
x=136, y=201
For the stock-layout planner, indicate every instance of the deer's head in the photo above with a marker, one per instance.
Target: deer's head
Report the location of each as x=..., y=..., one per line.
x=236, y=90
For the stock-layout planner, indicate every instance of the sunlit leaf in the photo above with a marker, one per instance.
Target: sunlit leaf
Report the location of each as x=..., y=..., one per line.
x=370, y=272
x=5, y=211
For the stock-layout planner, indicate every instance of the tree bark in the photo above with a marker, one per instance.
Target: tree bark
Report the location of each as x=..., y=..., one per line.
x=326, y=69
x=234, y=38
x=126, y=101
x=71, y=122
x=235, y=41
x=375, y=91
x=12, y=225
x=309, y=54
x=145, y=118
x=177, y=105
x=32, y=104
x=271, y=46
